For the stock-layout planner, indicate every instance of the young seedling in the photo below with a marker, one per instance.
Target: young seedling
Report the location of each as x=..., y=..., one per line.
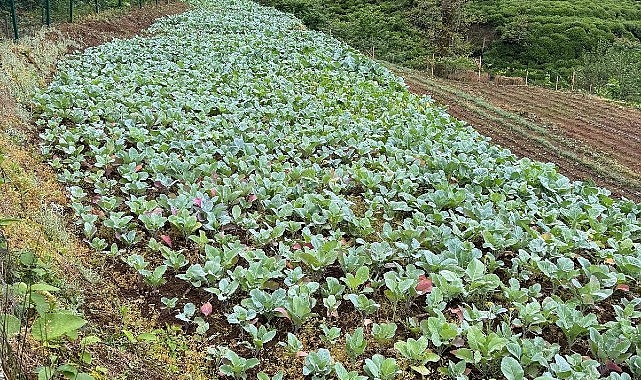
x=383, y=332
x=381, y=368
x=354, y=281
x=260, y=335
x=330, y=335
x=236, y=366
x=343, y=374
x=363, y=304
x=416, y=351
x=318, y=364
x=293, y=344
x=355, y=343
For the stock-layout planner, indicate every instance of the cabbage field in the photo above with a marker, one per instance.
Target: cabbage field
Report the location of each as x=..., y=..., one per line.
x=293, y=189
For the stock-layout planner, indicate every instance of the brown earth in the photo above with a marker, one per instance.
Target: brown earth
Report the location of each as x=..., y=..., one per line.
x=588, y=138
x=93, y=32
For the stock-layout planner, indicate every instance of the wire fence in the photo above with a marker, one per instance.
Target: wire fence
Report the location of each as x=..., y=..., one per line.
x=23, y=17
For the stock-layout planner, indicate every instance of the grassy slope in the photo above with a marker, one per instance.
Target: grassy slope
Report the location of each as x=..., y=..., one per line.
x=30, y=192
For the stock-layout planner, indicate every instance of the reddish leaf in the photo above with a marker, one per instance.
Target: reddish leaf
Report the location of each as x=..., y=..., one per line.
x=206, y=308
x=198, y=202
x=424, y=285
x=623, y=287
x=467, y=371
x=296, y=246
x=458, y=342
x=252, y=197
x=308, y=245
x=282, y=312
x=612, y=366
x=212, y=192
x=137, y=168
x=458, y=312
x=167, y=240
x=301, y=354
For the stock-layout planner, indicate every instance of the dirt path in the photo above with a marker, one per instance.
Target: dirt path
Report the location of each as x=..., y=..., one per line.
x=587, y=138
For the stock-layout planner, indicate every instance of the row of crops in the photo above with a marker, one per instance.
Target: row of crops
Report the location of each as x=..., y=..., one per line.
x=294, y=182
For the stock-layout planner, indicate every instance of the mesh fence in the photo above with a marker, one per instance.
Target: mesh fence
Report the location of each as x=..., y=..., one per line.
x=23, y=17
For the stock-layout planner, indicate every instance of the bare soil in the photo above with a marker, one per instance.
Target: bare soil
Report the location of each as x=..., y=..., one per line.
x=94, y=32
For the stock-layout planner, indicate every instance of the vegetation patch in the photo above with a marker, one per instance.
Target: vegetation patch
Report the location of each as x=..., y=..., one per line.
x=280, y=195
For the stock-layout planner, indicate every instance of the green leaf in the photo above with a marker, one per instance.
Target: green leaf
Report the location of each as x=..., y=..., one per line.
x=9, y=325
x=421, y=369
x=84, y=376
x=475, y=270
x=147, y=337
x=45, y=373
x=511, y=369
x=430, y=356
x=40, y=287
x=53, y=326
x=235, y=212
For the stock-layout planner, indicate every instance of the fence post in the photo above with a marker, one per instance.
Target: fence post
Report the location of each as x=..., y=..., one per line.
x=48, y=12
x=97, y=10
x=14, y=19
x=573, y=78
x=70, y=10
x=557, y=83
x=433, y=63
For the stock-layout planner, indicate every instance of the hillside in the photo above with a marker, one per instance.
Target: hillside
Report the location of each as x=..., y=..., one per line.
x=258, y=200
x=542, y=38
x=551, y=37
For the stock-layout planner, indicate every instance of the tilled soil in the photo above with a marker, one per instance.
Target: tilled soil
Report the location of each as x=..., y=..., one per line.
x=94, y=32
x=586, y=137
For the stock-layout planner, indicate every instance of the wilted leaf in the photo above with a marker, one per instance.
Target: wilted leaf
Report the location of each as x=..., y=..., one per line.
x=424, y=285
x=282, y=312
x=167, y=240
x=206, y=308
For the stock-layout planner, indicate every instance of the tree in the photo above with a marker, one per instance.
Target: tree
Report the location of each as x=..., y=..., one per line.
x=446, y=22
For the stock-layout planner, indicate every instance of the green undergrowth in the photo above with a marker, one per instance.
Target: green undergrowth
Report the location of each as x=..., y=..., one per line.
x=280, y=196
x=52, y=293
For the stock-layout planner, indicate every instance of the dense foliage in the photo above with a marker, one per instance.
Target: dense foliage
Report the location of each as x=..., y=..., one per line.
x=614, y=71
x=294, y=181
x=543, y=38
x=383, y=29
x=552, y=36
